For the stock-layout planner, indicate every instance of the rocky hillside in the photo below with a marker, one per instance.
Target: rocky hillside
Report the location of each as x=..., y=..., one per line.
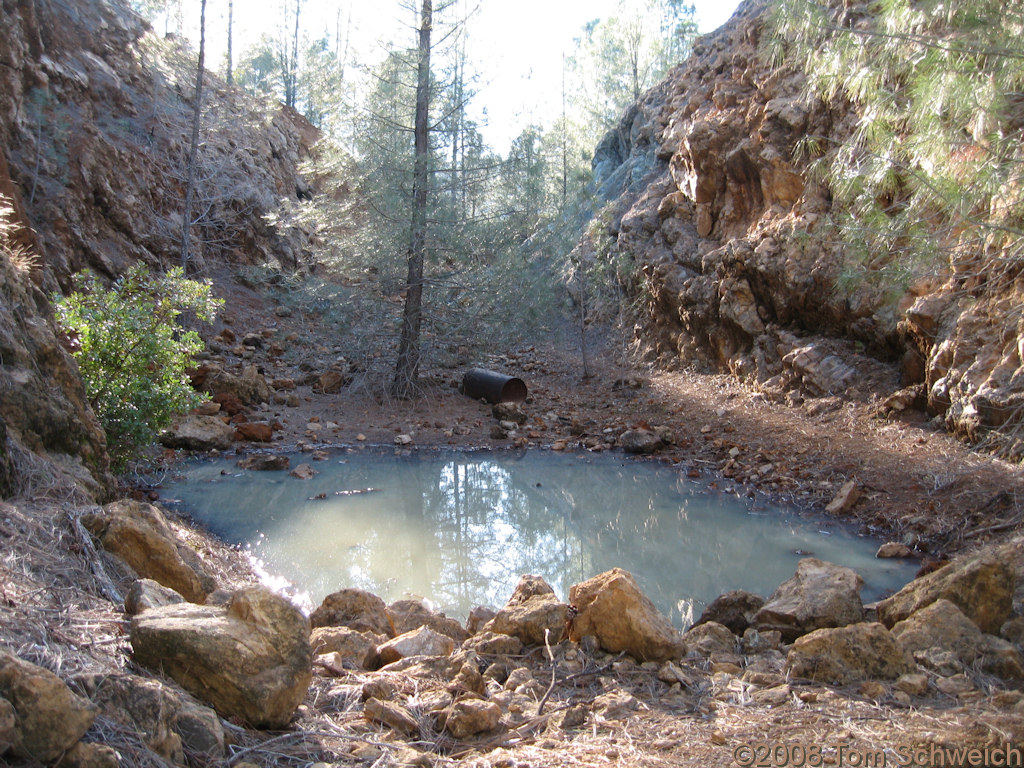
x=744, y=273
x=94, y=130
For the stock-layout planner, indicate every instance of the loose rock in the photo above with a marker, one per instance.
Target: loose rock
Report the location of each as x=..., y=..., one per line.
x=48, y=718
x=147, y=593
x=844, y=655
x=419, y=642
x=199, y=433
x=709, y=638
x=981, y=587
x=472, y=716
x=358, y=648
x=250, y=659
x=354, y=608
x=138, y=533
x=614, y=610
x=532, y=609
x=819, y=595
x=407, y=615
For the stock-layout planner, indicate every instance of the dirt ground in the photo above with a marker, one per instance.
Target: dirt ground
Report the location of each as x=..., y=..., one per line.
x=920, y=486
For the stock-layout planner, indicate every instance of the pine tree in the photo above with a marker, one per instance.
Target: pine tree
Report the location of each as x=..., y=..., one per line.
x=931, y=177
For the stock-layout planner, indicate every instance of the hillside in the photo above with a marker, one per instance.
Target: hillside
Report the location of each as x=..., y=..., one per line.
x=721, y=214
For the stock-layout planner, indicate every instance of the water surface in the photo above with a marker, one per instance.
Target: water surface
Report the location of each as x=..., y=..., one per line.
x=458, y=528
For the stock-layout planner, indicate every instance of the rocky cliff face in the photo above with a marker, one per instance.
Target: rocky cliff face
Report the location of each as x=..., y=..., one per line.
x=95, y=121
x=731, y=235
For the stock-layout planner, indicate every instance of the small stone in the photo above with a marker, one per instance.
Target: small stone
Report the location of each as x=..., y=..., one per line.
x=361, y=437
x=403, y=439
x=872, y=689
x=894, y=549
x=264, y=462
x=957, y=685
x=303, y=472
x=914, y=684
x=844, y=501
x=392, y=715
x=472, y=716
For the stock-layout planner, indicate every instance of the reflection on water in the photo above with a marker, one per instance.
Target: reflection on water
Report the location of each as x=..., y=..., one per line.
x=459, y=528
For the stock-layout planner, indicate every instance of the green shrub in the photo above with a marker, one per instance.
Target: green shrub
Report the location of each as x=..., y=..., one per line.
x=133, y=351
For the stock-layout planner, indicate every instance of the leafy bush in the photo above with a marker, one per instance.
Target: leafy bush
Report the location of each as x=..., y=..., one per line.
x=133, y=351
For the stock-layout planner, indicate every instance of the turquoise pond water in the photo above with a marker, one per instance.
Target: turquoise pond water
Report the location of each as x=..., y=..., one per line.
x=458, y=528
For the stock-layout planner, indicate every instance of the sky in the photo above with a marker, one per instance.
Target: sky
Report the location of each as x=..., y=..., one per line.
x=516, y=45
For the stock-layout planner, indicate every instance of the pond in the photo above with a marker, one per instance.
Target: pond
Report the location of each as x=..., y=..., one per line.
x=459, y=528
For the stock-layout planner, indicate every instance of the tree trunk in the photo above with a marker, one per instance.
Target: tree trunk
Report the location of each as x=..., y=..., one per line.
x=293, y=90
x=193, y=151
x=408, y=365
x=231, y=18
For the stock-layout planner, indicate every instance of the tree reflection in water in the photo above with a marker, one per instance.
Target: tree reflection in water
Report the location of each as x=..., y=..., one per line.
x=459, y=528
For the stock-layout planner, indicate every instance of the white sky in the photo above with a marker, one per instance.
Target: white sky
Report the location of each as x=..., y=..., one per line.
x=517, y=45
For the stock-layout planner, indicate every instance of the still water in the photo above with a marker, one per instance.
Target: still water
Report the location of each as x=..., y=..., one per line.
x=458, y=528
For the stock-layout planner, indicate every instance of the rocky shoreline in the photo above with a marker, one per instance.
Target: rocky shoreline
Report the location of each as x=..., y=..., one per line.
x=234, y=666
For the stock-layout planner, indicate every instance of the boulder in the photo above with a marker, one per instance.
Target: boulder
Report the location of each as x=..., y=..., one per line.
x=407, y=615
x=734, y=609
x=147, y=593
x=479, y=616
x=358, y=648
x=250, y=387
x=642, y=441
x=532, y=610
x=168, y=721
x=139, y=534
x=819, y=595
x=622, y=618
x=419, y=642
x=942, y=625
x=48, y=719
x=844, y=655
x=264, y=462
x=494, y=644
x=249, y=659
x=981, y=587
x=472, y=716
x=199, y=433
x=254, y=432
x=710, y=638
x=356, y=609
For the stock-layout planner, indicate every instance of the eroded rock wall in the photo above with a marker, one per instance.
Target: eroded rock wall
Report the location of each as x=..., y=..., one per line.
x=743, y=271
x=95, y=123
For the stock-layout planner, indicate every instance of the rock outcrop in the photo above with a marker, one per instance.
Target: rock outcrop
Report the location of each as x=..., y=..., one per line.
x=715, y=205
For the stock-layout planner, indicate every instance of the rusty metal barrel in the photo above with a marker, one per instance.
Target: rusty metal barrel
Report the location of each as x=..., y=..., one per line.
x=492, y=386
